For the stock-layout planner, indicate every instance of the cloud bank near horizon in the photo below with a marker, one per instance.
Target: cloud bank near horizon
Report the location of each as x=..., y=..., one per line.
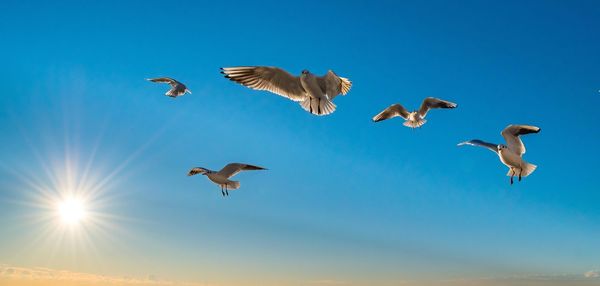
x=45, y=276
x=39, y=276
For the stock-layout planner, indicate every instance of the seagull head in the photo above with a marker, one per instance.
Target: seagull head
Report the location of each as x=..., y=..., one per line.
x=501, y=147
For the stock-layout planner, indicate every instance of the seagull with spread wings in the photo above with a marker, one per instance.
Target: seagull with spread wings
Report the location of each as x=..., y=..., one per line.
x=415, y=118
x=221, y=177
x=315, y=94
x=177, y=88
x=511, y=154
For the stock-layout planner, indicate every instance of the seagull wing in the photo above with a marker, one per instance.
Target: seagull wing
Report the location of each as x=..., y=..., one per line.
x=332, y=85
x=177, y=88
x=168, y=80
x=432, y=102
x=511, y=134
x=197, y=170
x=271, y=79
x=391, y=112
x=234, y=168
x=477, y=142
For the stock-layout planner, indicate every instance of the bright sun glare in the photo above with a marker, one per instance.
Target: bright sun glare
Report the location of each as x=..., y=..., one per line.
x=71, y=211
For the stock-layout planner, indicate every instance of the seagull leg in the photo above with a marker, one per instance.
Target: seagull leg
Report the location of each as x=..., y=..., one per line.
x=226, y=192
x=319, y=107
x=520, y=172
x=512, y=174
x=222, y=193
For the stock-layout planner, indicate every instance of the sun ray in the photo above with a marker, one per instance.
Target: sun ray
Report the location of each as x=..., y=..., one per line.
x=71, y=190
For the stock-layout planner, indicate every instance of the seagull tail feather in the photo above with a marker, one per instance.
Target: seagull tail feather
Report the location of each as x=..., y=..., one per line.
x=318, y=106
x=171, y=93
x=526, y=170
x=233, y=185
x=414, y=124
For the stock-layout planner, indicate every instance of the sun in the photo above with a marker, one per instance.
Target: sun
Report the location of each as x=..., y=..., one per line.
x=71, y=211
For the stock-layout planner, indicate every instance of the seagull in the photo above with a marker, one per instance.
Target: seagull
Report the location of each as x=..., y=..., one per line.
x=177, y=88
x=221, y=177
x=314, y=93
x=511, y=155
x=416, y=118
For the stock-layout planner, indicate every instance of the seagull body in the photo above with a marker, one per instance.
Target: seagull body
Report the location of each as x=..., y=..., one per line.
x=177, y=88
x=415, y=118
x=221, y=177
x=315, y=94
x=510, y=154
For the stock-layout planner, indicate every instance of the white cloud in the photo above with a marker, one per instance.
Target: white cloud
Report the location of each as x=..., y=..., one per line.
x=592, y=274
x=52, y=275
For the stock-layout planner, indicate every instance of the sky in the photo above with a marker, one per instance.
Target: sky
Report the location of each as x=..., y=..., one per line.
x=344, y=201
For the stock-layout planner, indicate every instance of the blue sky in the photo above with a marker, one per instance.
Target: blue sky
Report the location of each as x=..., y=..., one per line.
x=344, y=199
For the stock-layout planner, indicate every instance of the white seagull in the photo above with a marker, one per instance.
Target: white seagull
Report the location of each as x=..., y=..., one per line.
x=315, y=94
x=177, y=88
x=221, y=177
x=511, y=155
x=416, y=118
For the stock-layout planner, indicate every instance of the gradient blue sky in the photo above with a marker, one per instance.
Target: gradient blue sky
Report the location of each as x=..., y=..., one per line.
x=344, y=199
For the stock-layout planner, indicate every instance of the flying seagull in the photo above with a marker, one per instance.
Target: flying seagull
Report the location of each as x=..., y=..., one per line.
x=314, y=93
x=416, y=118
x=221, y=177
x=511, y=155
x=177, y=88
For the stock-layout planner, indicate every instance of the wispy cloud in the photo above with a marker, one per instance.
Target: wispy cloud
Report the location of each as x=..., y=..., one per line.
x=42, y=275
x=23, y=276
x=592, y=274
x=327, y=282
